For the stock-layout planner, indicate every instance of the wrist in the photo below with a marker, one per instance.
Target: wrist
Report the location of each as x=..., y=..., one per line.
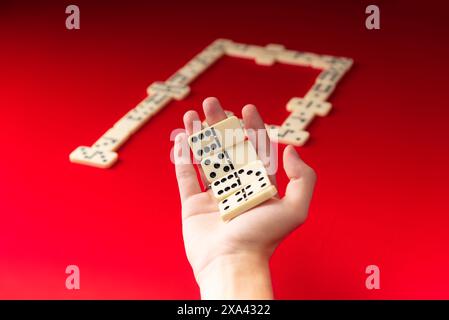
x=236, y=276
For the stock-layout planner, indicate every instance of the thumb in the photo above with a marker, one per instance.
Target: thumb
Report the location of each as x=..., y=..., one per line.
x=300, y=188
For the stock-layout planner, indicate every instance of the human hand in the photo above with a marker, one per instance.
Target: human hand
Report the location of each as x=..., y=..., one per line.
x=230, y=260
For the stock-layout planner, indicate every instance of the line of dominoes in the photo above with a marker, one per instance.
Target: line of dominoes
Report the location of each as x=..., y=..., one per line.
x=237, y=177
x=103, y=153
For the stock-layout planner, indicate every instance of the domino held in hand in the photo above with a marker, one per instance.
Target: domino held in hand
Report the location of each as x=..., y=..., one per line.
x=232, y=163
x=221, y=135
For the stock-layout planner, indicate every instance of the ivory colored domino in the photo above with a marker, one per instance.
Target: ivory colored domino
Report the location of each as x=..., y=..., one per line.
x=341, y=64
x=179, y=78
x=262, y=55
x=154, y=103
x=291, y=136
x=320, y=91
x=133, y=120
x=241, y=50
x=228, y=114
x=313, y=60
x=274, y=47
x=331, y=76
x=93, y=157
x=246, y=198
x=265, y=58
x=298, y=120
x=175, y=91
x=222, y=43
x=319, y=63
x=237, y=179
x=138, y=116
x=211, y=54
x=227, y=160
x=221, y=135
x=296, y=57
x=113, y=139
x=321, y=108
x=268, y=55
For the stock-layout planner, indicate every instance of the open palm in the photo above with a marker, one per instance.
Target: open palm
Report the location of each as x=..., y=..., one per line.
x=257, y=231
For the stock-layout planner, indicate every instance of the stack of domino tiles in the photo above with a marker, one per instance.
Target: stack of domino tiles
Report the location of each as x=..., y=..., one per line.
x=237, y=177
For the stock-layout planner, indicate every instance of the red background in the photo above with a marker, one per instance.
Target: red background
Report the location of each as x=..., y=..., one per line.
x=381, y=155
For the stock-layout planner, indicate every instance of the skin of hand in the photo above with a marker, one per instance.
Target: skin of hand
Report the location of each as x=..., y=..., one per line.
x=231, y=260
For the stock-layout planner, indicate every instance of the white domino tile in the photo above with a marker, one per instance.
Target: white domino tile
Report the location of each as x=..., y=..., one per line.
x=321, y=108
x=177, y=92
x=320, y=91
x=292, y=136
x=93, y=157
x=237, y=179
x=298, y=120
x=133, y=120
x=221, y=135
x=331, y=76
x=229, y=159
x=112, y=139
x=246, y=198
x=228, y=114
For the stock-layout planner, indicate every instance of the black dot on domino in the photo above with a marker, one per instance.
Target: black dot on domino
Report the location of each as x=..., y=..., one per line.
x=201, y=136
x=263, y=185
x=241, y=171
x=261, y=179
x=200, y=152
x=230, y=176
x=207, y=162
x=213, y=175
x=226, y=168
x=223, y=180
x=250, y=193
x=247, y=187
x=220, y=191
x=249, y=172
x=237, y=193
x=225, y=200
x=213, y=146
x=220, y=156
x=216, y=165
x=258, y=173
x=216, y=183
x=226, y=208
x=239, y=199
x=227, y=188
x=234, y=185
x=194, y=139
